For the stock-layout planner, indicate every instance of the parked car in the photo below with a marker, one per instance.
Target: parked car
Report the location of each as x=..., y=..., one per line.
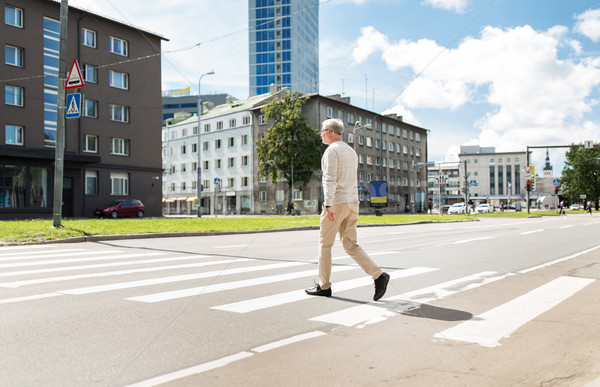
x=126, y=207
x=457, y=208
x=483, y=208
x=575, y=207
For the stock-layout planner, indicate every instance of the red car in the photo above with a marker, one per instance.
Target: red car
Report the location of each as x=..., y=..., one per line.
x=119, y=208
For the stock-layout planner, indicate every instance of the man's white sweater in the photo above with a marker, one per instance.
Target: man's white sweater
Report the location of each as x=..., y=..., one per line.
x=339, y=165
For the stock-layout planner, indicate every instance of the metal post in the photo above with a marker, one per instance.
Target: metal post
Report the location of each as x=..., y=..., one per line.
x=59, y=152
x=527, y=193
x=199, y=183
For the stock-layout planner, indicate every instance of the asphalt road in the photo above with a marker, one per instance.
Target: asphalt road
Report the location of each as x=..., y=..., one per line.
x=497, y=302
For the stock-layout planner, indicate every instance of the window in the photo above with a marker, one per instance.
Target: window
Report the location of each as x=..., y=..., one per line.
x=218, y=143
x=262, y=120
x=351, y=118
x=195, y=147
x=369, y=142
x=329, y=112
x=245, y=181
x=88, y=37
x=245, y=160
x=231, y=141
x=244, y=139
x=119, y=183
x=297, y=195
x=204, y=145
x=361, y=140
x=405, y=149
x=194, y=166
x=119, y=113
x=13, y=16
x=218, y=163
x=119, y=147
x=404, y=133
x=231, y=182
x=279, y=195
x=206, y=128
x=262, y=196
x=232, y=123
x=231, y=162
x=418, y=137
x=117, y=46
x=119, y=80
x=90, y=108
x=206, y=184
x=183, y=149
x=13, y=134
x=90, y=143
x=91, y=182
x=183, y=167
x=205, y=164
x=13, y=95
x=246, y=120
x=90, y=73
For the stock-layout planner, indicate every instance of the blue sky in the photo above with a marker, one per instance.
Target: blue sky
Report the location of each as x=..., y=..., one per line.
x=503, y=73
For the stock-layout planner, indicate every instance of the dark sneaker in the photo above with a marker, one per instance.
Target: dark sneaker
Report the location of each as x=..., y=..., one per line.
x=317, y=291
x=381, y=285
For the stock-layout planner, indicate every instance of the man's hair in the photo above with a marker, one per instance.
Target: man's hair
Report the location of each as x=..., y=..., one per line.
x=334, y=124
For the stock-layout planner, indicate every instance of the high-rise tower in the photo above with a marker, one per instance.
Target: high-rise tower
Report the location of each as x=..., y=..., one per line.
x=284, y=45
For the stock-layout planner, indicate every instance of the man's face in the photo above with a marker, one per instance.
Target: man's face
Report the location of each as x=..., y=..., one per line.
x=326, y=136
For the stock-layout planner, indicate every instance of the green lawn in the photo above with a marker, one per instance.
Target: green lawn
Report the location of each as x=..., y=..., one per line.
x=42, y=230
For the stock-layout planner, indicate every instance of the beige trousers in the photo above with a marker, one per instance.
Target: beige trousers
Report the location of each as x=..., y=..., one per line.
x=345, y=219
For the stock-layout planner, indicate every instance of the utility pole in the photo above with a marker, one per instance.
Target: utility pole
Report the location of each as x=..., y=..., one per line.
x=59, y=153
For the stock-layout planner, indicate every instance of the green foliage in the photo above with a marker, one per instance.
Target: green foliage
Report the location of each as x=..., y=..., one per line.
x=581, y=174
x=289, y=141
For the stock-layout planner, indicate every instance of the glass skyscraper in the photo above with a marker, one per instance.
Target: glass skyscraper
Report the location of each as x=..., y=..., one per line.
x=284, y=45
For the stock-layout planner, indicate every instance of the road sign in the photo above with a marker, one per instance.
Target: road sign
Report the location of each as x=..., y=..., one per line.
x=73, y=105
x=217, y=181
x=556, y=182
x=361, y=187
x=473, y=183
x=74, y=80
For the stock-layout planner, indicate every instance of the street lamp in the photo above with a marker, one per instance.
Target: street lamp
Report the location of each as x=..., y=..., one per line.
x=199, y=166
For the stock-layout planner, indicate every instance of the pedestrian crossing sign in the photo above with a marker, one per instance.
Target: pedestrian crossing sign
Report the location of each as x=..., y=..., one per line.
x=74, y=80
x=74, y=105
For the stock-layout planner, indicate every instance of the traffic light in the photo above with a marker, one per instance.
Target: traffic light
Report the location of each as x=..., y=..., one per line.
x=528, y=184
x=555, y=189
x=442, y=188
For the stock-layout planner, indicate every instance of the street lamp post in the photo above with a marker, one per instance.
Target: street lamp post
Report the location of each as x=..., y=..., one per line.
x=199, y=166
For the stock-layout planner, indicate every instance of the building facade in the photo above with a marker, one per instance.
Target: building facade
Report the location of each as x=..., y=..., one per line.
x=283, y=45
x=184, y=103
x=388, y=149
x=113, y=150
x=495, y=177
x=226, y=159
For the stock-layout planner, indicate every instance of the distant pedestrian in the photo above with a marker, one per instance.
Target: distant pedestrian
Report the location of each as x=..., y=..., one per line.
x=562, y=208
x=590, y=205
x=340, y=211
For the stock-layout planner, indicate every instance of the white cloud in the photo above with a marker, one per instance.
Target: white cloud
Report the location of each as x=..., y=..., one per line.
x=533, y=95
x=588, y=24
x=450, y=5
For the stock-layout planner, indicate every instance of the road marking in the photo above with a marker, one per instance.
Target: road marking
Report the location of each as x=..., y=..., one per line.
x=99, y=265
x=378, y=311
x=558, y=260
x=29, y=298
x=13, y=258
x=347, y=256
x=568, y=226
x=55, y=261
x=211, y=365
x=472, y=240
x=531, y=232
x=3, y=248
x=164, y=296
x=489, y=328
x=224, y=361
x=16, y=284
x=288, y=341
x=36, y=254
x=299, y=295
x=177, y=278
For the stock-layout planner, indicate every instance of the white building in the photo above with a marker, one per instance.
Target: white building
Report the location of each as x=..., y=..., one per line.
x=226, y=159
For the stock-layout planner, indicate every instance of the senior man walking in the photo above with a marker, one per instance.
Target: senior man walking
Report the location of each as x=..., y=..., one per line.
x=340, y=211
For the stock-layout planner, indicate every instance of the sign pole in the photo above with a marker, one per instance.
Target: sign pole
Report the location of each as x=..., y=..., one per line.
x=60, y=118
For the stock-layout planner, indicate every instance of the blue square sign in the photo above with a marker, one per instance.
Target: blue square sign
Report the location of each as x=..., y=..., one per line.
x=74, y=105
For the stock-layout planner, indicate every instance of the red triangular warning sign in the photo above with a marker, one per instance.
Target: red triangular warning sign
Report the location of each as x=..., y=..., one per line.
x=74, y=80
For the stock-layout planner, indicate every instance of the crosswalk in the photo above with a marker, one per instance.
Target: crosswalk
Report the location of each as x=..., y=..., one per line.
x=30, y=273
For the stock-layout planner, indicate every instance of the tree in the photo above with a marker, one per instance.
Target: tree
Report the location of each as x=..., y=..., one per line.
x=290, y=144
x=581, y=174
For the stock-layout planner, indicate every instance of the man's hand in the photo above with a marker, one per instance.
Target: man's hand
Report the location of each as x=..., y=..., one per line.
x=329, y=213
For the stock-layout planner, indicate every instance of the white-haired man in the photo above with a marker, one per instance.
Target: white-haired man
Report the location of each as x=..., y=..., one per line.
x=340, y=211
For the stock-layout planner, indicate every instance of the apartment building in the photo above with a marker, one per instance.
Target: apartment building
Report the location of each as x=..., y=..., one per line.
x=283, y=45
x=388, y=148
x=226, y=159
x=113, y=150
